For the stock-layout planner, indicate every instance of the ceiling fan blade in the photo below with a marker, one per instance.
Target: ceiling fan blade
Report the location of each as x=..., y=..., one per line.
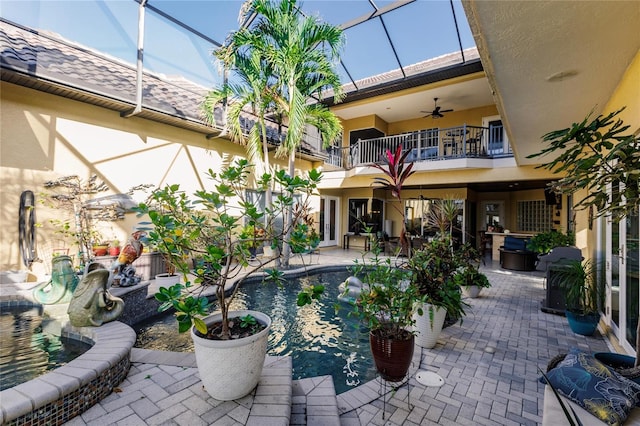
x=446, y=110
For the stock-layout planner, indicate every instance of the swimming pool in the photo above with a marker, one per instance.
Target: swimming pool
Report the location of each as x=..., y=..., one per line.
x=319, y=340
x=32, y=345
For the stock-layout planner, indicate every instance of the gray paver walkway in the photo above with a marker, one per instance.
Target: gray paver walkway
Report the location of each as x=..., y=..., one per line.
x=489, y=363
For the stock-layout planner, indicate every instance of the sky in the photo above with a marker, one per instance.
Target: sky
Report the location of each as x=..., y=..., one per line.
x=420, y=30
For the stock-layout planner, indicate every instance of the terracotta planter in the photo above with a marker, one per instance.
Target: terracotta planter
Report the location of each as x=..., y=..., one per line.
x=100, y=250
x=231, y=369
x=427, y=332
x=114, y=251
x=392, y=357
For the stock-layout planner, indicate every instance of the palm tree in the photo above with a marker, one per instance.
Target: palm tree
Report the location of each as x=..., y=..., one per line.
x=250, y=92
x=299, y=51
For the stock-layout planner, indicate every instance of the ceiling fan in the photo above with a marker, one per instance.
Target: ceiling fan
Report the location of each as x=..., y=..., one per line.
x=437, y=111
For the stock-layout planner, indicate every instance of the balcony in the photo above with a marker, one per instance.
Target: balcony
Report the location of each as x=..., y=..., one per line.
x=426, y=145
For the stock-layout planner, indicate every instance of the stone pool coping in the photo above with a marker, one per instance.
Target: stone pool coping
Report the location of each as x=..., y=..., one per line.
x=68, y=391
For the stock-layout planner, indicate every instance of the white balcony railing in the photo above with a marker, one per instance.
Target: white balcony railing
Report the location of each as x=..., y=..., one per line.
x=426, y=145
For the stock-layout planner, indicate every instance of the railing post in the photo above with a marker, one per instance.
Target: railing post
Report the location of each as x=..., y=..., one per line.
x=464, y=140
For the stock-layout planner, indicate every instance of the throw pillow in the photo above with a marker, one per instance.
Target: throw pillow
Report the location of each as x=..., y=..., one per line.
x=590, y=384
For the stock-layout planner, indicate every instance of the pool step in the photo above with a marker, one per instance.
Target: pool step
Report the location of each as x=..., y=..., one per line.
x=314, y=402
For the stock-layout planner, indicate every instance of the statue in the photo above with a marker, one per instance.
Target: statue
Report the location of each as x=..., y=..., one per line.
x=124, y=271
x=60, y=287
x=350, y=289
x=92, y=304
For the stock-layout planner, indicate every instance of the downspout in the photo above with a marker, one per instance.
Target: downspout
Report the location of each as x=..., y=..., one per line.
x=138, y=108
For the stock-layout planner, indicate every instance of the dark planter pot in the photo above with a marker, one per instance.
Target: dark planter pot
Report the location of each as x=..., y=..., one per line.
x=584, y=325
x=622, y=364
x=392, y=357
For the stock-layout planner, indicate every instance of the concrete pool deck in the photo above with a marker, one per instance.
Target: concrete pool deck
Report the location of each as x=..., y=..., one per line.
x=489, y=364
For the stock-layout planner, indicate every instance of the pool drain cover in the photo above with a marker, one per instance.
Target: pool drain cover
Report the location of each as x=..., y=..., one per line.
x=427, y=378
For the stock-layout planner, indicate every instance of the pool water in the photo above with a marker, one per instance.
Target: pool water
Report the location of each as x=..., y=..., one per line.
x=319, y=340
x=30, y=345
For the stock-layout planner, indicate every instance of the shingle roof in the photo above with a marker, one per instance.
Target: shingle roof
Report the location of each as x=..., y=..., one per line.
x=51, y=59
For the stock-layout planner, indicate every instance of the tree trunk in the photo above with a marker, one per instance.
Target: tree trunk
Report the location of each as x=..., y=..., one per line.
x=288, y=219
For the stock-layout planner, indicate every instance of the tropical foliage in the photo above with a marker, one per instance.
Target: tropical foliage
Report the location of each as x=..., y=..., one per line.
x=396, y=173
x=207, y=226
x=544, y=242
x=283, y=59
x=591, y=155
x=577, y=279
x=433, y=273
x=470, y=275
x=385, y=302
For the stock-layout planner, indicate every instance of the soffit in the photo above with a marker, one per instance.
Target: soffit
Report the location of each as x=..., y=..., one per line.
x=522, y=44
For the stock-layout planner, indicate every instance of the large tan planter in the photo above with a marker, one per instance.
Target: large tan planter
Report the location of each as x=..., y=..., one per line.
x=427, y=333
x=231, y=369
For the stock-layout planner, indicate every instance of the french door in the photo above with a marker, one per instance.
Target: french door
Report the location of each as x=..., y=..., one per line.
x=328, y=224
x=622, y=276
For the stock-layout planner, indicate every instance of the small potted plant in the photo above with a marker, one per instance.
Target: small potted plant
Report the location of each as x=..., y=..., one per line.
x=384, y=299
x=583, y=298
x=253, y=236
x=100, y=249
x=471, y=280
x=230, y=346
x=114, y=248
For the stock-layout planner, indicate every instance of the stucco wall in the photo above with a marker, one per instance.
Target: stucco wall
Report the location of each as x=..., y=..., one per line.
x=626, y=94
x=44, y=137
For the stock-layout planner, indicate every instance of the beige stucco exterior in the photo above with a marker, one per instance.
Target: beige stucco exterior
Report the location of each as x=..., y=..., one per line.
x=45, y=137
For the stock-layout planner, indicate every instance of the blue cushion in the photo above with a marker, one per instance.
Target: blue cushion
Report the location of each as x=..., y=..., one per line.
x=513, y=243
x=599, y=390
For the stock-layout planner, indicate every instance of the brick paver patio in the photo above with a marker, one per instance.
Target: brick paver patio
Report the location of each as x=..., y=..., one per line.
x=489, y=364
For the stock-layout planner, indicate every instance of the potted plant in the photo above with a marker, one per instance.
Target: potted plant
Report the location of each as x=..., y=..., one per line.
x=100, y=249
x=230, y=346
x=253, y=235
x=114, y=248
x=471, y=280
x=544, y=242
x=384, y=299
x=433, y=270
x=577, y=279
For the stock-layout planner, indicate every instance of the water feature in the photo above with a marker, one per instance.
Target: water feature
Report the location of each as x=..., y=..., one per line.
x=32, y=345
x=320, y=340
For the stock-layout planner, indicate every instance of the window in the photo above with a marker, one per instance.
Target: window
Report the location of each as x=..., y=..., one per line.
x=365, y=212
x=535, y=216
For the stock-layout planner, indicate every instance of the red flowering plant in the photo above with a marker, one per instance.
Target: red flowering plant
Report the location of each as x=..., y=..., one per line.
x=396, y=173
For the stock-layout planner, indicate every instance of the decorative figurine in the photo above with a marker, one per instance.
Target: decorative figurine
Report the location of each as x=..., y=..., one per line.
x=92, y=304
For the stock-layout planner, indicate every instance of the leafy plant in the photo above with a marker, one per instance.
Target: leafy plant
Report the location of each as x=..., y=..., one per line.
x=207, y=226
x=248, y=321
x=289, y=58
x=433, y=269
x=253, y=235
x=470, y=275
x=386, y=299
x=591, y=155
x=396, y=174
x=544, y=242
x=577, y=280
